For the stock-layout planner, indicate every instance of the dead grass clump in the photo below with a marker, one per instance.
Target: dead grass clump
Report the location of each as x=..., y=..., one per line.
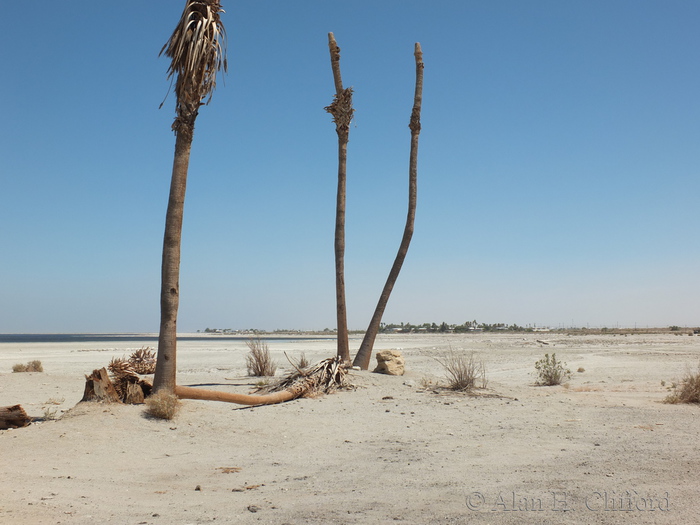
x=32, y=366
x=688, y=391
x=163, y=405
x=463, y=371
x=258, y=360
x=303, y=361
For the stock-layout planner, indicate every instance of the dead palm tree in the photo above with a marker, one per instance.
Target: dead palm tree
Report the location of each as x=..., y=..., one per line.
x=364, y=354
x=197, y=51
x=342, y=111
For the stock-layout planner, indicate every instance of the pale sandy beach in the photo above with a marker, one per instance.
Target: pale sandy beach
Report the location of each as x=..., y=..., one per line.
x=601, y=449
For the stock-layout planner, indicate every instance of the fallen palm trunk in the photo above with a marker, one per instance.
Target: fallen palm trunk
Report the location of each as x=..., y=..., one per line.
x=188, y=392
x=324, y=378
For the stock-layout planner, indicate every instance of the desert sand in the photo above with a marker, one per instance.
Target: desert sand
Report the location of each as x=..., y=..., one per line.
x=601, y=449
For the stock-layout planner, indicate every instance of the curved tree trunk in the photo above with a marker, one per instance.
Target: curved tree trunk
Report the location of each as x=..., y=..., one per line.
x=342, y=111
x=196, y=56
x=364, y=354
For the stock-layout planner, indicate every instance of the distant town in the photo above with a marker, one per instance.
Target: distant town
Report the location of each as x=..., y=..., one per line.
x=468, y=327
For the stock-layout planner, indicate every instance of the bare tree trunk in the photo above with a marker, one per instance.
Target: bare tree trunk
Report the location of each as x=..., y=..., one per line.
x=342, y=111
x=166, y=364
x=364, y=354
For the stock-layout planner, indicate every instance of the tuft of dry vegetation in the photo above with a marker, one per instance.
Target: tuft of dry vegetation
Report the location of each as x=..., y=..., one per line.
x=551, y=372
x=303, y=361
x=688, y=390
x=463, y=371
x=32, y=366
x=163, y=405
x=258, y=360
x=50, y=413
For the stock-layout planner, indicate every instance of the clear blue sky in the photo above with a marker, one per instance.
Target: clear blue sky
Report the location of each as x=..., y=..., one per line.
x=558, y=167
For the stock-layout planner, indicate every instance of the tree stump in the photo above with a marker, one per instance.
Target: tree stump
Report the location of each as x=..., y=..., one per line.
x=13, y=417
x=99, y=387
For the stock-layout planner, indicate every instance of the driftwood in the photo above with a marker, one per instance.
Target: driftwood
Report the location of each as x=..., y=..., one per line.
x=13, y=417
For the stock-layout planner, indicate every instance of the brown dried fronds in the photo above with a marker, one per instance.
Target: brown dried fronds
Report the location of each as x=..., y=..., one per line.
x=323, y=378
x=197, y=49
x=342, y=111
x=143, y=361
x=119, y=366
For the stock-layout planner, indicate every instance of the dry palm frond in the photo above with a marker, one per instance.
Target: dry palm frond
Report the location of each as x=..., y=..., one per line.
x=342, y=111
x=197, y=49
x=323, y=378
x=120, y=366
x=143, y=361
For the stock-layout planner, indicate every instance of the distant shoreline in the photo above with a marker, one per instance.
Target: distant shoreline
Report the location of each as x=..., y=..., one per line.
x=145, y=337
x=152, y=337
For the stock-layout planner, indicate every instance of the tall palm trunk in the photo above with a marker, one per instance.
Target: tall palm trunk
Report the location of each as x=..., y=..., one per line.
x=197, y=53
x=342, y=111
x=364, y=354
x=166, y=365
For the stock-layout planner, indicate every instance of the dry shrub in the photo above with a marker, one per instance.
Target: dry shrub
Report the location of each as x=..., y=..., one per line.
x=50, y=413
x=463, y=371
x=163, y=405
x=426, y=383
x=688, y=391
x=303, y=361
x=32, y=366
x=550, y=371
x=258, y=360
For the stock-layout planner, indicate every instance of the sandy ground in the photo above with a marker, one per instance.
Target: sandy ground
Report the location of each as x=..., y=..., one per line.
x=602, y=449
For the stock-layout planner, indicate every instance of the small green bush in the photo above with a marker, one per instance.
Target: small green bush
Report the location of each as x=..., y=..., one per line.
x=550, y=371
